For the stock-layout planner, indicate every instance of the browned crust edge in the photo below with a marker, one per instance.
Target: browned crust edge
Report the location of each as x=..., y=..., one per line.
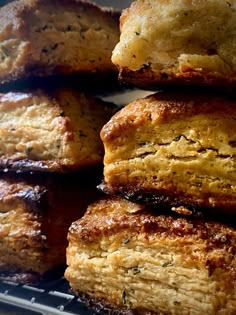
x=146, y=78
x=167, y=202
x=31, y=277
x=100, y=307
x=26, y=165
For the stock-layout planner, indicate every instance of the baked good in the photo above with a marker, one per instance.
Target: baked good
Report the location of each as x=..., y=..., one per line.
x=40, y=38
x=123, y=258
x=54, y=130
x=36, y=212
x=174, y=149
x=177, y=42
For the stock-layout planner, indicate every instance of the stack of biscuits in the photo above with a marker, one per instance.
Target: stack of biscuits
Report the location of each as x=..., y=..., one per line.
x=162, y=240
x=51, y=154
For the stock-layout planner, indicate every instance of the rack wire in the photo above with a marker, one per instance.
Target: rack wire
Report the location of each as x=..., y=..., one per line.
x=52, y=298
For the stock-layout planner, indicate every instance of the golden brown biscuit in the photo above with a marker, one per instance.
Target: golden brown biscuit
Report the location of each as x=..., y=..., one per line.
x=35, y=214
x=40, y=38
x=169, y=41
x=172, y=148
x=51, y=131
x=126, y=258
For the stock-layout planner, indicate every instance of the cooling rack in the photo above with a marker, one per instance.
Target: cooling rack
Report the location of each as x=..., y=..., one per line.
x=52, y=298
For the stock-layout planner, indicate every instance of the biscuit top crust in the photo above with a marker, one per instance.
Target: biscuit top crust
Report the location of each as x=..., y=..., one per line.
x=177, y=35
x=10, y=14
x=126, y=221
x=162, y=108
x=112, y=215
x=41, y=38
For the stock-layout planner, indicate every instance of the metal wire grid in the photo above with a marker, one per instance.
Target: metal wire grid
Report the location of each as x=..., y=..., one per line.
x=53, y=298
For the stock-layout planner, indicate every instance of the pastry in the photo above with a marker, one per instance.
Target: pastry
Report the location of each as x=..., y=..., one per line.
x=176, y=149
x=177, y=42
x=36, y=212
x=39, y=38
x=124, y=259
x=56, y=130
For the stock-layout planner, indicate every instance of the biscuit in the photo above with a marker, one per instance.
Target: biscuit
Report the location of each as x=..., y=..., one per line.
x=56, y=130
x=174, y=149
x=177, y=42
x=41, y=38
x=124, y=258
x=36, y=212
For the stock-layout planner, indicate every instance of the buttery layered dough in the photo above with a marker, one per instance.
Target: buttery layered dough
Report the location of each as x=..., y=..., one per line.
x=40, y=38
x=174, y=149
x=183, y=42
x=56, y=130
x=124, y=258
x=35, y=214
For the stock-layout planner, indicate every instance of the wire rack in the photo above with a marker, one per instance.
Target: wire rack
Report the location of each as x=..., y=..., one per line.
x=53, y=298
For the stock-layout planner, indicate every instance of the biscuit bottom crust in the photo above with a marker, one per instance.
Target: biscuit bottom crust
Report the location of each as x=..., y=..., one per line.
x=122, y=255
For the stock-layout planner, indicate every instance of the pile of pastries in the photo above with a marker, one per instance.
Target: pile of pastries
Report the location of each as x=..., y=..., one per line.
x=139, y=201
x=51, y=154
x=162, y=240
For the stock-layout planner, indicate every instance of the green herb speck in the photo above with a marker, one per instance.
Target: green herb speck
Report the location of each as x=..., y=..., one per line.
x=168, y=264
x=136, y=270
x=28, y=150
x=124, y=297
x=126, y=241
x=5, y=51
